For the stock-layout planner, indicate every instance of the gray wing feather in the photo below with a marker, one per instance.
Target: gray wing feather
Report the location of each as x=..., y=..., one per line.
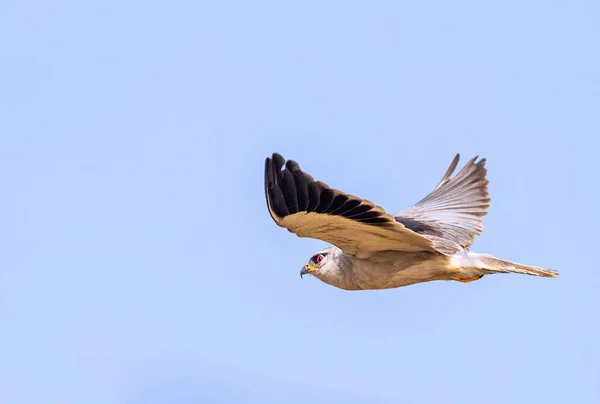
x=454, y=209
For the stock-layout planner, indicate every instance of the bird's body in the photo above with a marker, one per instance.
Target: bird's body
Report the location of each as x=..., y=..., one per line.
x=388, y=269
x=375, y=250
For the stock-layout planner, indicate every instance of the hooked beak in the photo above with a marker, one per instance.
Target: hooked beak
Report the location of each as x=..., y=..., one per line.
x=306, y=270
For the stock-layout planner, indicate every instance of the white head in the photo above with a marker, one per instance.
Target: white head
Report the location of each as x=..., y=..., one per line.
x=322, y=263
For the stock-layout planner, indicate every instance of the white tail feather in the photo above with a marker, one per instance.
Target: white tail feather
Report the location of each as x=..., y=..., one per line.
x=489, y=264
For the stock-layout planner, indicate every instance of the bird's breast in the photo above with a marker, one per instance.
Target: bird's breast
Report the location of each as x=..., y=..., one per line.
x=397, y=269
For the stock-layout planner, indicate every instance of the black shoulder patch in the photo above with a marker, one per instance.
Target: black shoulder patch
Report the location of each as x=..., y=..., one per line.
x=418, y=226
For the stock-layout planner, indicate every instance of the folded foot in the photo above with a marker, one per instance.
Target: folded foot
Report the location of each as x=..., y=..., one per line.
x=467, y=280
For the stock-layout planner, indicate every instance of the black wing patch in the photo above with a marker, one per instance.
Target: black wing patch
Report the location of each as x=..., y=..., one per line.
x=290, y=190
x=419, y=227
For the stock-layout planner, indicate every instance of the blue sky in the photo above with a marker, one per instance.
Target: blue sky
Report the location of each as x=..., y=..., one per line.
x=139, y=262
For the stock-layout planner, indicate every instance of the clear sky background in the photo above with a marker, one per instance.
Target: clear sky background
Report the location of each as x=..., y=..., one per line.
x=139, y=263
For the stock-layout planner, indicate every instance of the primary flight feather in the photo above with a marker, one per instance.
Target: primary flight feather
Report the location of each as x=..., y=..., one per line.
x=372, y=249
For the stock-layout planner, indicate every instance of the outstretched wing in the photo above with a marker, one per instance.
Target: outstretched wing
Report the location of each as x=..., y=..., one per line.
x=312, y=209
x=453, y=211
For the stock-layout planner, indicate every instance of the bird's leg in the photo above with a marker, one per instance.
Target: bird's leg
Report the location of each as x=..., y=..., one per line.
x=467, y=280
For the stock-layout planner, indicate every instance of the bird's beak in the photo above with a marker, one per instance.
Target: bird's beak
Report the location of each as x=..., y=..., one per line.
x=306, y=270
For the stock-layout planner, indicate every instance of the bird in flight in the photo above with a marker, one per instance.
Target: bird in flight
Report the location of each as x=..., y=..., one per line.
x=372, y=249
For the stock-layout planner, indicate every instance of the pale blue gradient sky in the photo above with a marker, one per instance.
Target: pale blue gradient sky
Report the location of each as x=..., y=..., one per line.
x=140, y=265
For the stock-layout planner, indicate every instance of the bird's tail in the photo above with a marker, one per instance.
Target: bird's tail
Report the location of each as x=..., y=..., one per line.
x=492, y=264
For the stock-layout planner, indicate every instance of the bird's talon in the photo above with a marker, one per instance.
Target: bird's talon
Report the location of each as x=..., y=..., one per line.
x=467, y=280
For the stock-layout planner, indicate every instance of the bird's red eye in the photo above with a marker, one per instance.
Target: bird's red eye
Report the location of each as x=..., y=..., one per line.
x=318, y=258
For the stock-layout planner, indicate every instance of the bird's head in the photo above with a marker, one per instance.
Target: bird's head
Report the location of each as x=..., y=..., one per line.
x=319, y=263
